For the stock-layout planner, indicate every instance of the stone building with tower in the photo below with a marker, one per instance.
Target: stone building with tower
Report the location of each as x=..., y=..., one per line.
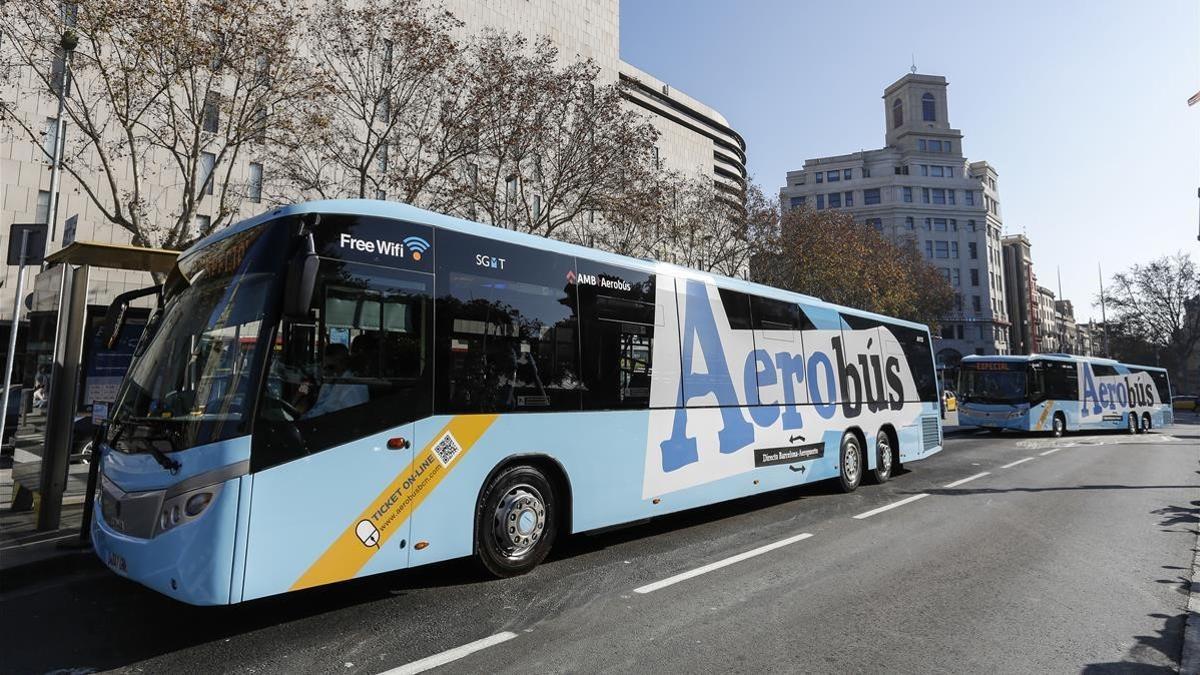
x=921, y=186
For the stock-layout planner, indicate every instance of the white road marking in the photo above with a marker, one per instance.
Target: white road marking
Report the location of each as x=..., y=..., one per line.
x=39, y=541
x=1051, y=451
x=968, y=479
x=891, y=506
x=1019, y=461
x=684, y=576
x=450, y=655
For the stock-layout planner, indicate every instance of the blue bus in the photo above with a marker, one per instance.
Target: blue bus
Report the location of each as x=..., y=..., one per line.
x=1057, y=393
x=338, y=389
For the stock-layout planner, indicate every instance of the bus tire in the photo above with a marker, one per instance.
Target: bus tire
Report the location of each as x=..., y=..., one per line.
x=1059, y=425
x=850, y=466
x=516, y=520
x=1147, y=424
x=885, y=457
x=1131, y=424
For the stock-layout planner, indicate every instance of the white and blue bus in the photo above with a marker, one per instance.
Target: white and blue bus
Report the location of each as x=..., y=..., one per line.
x=339, y=389
x=1057, y=393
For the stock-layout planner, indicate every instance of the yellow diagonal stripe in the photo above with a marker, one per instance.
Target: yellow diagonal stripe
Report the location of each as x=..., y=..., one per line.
x=348, y=553
x=1042, y=420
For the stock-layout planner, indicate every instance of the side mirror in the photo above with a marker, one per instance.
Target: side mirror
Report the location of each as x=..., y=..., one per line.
x=301, y=280
x=114, y=318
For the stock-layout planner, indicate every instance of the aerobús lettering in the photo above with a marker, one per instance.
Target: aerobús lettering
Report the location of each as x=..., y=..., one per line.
x=1112, y=393
x=861, y=378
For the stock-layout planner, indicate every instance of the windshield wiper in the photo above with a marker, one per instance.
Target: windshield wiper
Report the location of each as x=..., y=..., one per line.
x=159, y=456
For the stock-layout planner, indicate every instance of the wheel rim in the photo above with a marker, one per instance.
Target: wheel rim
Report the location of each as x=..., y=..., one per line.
x=1132, y=424
x=1146, y=422
x=1058, y=426
x=885, y=454
x=519, y=521
x=850, y=466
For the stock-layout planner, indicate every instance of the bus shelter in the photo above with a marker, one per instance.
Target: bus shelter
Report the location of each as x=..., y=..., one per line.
x=76, y=375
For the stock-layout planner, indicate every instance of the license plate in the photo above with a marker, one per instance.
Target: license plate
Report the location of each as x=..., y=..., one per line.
x=116, y=562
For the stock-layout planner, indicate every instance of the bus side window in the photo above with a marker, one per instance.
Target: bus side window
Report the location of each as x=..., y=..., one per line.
x=1061, y=381
x=507, y=331
x=616, y=334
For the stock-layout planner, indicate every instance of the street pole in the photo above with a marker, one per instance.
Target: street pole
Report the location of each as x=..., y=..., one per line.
x=1103, y=317
x=68, y=44
x=12, y=336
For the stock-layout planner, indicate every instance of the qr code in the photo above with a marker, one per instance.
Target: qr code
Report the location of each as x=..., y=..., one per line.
x=446, y=449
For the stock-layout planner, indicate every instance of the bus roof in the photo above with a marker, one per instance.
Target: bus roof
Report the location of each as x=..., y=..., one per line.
x=1025, y=358
x=401, y=211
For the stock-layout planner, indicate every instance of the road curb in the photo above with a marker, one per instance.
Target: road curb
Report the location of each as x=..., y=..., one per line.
x=1189, y=662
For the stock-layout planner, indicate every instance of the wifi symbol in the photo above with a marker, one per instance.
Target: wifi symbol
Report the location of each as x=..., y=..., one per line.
x=417, y=245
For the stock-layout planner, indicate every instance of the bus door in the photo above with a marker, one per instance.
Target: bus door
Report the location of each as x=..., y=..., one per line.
x=334, y=441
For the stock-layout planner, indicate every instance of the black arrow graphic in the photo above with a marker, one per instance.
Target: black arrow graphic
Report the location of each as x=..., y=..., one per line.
x=794, y=438
x=800, y=470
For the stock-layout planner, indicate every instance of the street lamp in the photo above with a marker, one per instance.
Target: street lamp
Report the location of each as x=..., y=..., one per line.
x=68, y=43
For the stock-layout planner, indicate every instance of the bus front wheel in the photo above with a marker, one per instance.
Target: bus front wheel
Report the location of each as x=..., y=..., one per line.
x=1147, y=425
x=1059, y=425
x=516, y=520
x=851, y=463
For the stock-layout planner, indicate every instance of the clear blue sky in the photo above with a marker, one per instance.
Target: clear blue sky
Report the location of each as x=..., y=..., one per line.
x=1080, y=106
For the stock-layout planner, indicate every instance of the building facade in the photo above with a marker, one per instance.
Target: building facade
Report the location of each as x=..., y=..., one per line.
x=695, y=139
x=1020, y=293
x=921, y=187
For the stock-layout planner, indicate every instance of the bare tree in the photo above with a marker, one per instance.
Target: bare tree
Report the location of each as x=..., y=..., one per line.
x=166, y=98
x=393, y=120
x=1159, y=303
x=552, y=146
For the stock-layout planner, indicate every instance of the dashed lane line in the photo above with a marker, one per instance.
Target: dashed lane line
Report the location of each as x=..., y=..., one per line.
x=968, y=479
x=1051, y=451
x=891, y=506
x=1019, y=461
x=684, y=576
x=451, y=655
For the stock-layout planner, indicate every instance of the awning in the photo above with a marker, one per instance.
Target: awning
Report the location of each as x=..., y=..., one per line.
x=115, y=256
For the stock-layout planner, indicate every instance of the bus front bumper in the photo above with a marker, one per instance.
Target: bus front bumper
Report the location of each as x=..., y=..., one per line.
x=191, y=563
x=997, y=419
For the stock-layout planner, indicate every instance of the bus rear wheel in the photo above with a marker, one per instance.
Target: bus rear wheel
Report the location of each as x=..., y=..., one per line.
x=884, y=457
x=516, y=520
x=1147, y=425
x=1131, y=425
x=851, y=464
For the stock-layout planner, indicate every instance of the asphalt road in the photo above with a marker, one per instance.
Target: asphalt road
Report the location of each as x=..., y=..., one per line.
x=1077, y=559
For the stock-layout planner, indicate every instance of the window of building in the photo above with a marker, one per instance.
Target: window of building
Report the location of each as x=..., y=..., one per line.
x=507, y=337
x=820, y=177
x=820, y=201
x=928, y=248
x=654, y=154
x=897, y=113
x=41, y=213
x=947, y=332
x=876, y=223
x=921, y=145
x=835, y=200
x=925, y=195
x=974, y=276
x=969, y=197
x=796, y=202
x=866, y=172
x=958, y=330
x=958, y=302
x=833, y=176
x=211, y=114
x=849, y=199
x=939, y=195
x=847, y=174
x=908, y=223
x=255, y=183
x=939, y=224
x=975, y=303
x=537, y=208
x=941, y=249
x=945, y=273
x=954, y=251
x=258, y=128
x=871, y=196
x=972, y=250
x=924, y=169
x=935, y=171
x=902, y=170
x=928, y=224
x=927, y=109
x=381, y=158
x=955, y=276
x=970, y=226
x=908, y=197
x=206, y=178
x=950, y=196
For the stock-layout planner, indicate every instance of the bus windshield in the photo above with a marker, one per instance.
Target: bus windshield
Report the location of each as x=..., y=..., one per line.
x=993, y=386
x=193, y=377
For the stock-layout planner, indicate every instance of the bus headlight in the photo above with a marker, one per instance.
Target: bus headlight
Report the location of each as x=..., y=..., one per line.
x=186, y=507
